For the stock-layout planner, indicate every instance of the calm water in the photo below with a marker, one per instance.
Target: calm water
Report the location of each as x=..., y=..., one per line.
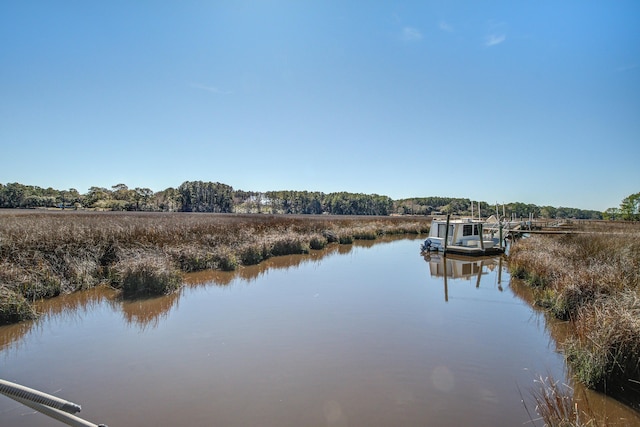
x=362, y=335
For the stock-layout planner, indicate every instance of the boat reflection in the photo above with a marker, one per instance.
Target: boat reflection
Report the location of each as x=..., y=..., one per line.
x=462, y=268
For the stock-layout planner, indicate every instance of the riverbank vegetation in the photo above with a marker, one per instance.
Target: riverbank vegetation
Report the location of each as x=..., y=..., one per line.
x=44, y=254
x=592, y=280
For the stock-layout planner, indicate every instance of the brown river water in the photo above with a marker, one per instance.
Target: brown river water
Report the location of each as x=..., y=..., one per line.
x=369, y=334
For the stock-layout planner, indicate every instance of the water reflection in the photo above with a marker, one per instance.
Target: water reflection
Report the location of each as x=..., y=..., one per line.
x=251, y=273
x=139, y=312
x=608, y=411
x=461, y=268
x=74, y=304
x=351, y=340
x=12, y=334
x=146, y=312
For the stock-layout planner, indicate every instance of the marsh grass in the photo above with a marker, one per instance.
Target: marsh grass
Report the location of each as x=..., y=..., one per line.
x=605, y=350
x=557, y=406
x=44, y=254
x=148, y=274
x=591, y=280
x=318, y=241
x=14, y=307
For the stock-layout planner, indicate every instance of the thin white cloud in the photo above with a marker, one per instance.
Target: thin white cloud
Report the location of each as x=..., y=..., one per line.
x=211, y=89
x=628, y=67
x=445, y=26
x=411, y=34
x=494, y=39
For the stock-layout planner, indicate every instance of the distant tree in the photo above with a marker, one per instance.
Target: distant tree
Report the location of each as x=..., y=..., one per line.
x=612, y=214
x=198, y=196
x=97, y=197
x=74, y=198
x=630, y=207
x=168, y=200
x=142, y=196
x=14, y=195
x=548, y=212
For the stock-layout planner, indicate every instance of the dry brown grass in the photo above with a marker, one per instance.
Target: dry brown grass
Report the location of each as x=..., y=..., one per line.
x=44, y=254
x=592, y=280
x=557, y=406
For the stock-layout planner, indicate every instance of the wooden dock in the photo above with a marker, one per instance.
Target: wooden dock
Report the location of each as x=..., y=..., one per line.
x=545, y=227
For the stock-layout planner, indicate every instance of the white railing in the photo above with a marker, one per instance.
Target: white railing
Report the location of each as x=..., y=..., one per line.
x=56, y=408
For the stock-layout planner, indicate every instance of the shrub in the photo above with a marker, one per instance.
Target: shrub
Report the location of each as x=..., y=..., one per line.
x=147, y=275
x=14, y=307
x=318, y=242
x=330, y=235
x=289, y=245
x=604, y=354
x=365, y=234
x=41, y=287
x=251, y=254
x=345, y=239
x=193, y=259
x=226, y=260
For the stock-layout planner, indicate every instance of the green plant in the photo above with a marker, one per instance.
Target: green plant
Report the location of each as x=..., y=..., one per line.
x=345, y=239
x=251, y=254
x=227, y=260
x=14, y=307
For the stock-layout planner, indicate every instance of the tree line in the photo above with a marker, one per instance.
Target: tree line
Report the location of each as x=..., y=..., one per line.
x=200, y=196
x=461, y=206
x=195, y=196
x=629, y=209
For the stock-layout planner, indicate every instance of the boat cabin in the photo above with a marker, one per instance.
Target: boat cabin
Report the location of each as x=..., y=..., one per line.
x=464, y=236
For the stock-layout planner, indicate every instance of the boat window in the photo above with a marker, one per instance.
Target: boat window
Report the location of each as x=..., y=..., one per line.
x=470, y=230
x=466, y=269
x=470, y=268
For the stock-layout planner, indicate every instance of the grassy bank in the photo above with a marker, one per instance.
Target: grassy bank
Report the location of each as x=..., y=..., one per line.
x=44, y=254
x=591, y=280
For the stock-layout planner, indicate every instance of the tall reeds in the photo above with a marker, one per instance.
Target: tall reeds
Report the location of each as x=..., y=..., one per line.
x=593, y=281
x=557, y=405
x=44, y=254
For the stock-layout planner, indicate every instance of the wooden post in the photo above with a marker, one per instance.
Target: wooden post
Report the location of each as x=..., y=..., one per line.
x=446, y=234
x=481, y=236
x=446, y=288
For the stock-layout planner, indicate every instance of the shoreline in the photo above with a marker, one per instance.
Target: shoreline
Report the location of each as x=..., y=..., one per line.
x=591, y=282
x=46, y=254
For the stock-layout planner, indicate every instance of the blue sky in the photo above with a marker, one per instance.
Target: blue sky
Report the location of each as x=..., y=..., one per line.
x=498, y=101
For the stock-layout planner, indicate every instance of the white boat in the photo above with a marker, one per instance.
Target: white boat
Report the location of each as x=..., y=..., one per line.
x=466, y=236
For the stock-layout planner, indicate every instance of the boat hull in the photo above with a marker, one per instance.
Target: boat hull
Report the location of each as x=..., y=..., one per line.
x=430, y=245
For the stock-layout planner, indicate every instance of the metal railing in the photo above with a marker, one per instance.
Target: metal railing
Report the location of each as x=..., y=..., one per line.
x=52, y=406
